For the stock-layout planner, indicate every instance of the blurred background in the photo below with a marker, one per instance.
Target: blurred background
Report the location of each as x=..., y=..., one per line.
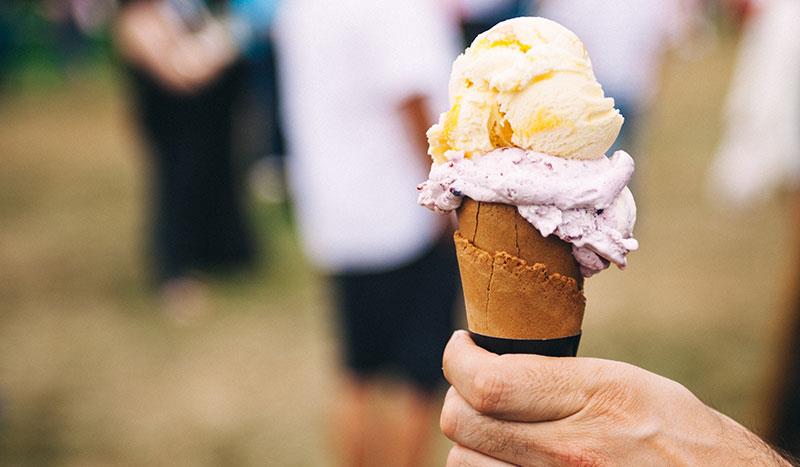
x=111, y=353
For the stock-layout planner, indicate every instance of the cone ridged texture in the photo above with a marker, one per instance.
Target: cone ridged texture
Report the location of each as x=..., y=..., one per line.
x=517, y=284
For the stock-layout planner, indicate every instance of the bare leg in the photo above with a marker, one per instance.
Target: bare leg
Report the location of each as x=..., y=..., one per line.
x=351, y=422
x=414, y=427
x=184, y=300
x=377, y=424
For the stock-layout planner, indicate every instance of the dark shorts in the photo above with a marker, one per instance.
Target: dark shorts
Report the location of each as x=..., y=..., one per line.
x=398, y=321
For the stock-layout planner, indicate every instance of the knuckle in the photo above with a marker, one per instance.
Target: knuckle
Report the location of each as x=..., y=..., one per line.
x=489, y=389
x=675, y=389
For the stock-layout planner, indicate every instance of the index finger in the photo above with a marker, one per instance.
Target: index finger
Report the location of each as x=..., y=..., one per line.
x=515, y=387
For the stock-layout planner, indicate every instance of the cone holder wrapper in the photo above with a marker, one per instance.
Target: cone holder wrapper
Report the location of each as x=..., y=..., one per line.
x=558, y=347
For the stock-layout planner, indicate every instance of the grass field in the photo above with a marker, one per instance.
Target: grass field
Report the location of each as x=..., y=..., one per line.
x=91, y=374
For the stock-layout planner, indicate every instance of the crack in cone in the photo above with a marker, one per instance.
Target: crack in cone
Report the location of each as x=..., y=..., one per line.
x=517, y=284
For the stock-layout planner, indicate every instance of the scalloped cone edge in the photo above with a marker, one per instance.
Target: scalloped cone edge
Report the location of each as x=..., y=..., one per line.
x=509, y=297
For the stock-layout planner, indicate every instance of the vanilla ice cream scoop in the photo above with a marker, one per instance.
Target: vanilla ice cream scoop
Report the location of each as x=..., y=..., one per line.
x=527, y=83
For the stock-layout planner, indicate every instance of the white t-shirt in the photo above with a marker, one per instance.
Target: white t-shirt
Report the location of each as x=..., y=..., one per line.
x=346, y=66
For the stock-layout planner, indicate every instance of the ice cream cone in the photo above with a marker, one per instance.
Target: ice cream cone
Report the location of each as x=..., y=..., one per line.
x=517, y=284
x=518, y=133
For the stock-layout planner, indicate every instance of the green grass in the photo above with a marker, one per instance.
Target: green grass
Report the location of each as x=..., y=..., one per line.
x=92, y=374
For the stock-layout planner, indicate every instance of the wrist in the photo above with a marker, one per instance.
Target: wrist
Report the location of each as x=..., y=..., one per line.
x=705, y=436
x=748, y=448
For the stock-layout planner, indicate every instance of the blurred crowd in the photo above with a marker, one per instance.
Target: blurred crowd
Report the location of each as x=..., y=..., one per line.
x=230, y=94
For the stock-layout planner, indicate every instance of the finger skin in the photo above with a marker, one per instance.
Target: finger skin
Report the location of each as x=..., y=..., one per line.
x=462, y=457
x=528, y=388
x=547, y=443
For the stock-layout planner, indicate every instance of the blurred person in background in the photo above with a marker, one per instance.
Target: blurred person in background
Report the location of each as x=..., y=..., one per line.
x=359, y=79
x=478, y=16
x=760, y=152
x=626, y=41
x=184, y=58
x=7, y=39
x=73, y=22
x=69, y=40
x=264, y=125
x=741, y=10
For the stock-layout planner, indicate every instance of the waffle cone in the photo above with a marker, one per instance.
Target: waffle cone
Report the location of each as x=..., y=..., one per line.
x=517, y=284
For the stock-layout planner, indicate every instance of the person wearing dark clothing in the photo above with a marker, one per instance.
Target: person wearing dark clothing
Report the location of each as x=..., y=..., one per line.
x=187, y=76
x=199, y=223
